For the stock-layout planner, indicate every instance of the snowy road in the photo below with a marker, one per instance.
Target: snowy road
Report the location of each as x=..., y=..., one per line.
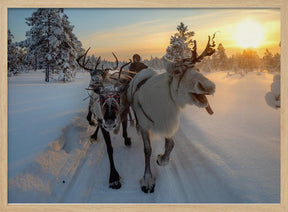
x=230, y=157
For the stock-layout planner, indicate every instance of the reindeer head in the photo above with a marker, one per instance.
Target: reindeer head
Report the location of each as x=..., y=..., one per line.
x=187, y=84
x=109, y=102
x=97, y=75
x=110, y=99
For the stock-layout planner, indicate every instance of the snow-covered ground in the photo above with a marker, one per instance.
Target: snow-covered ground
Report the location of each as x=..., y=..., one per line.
x=232, y=156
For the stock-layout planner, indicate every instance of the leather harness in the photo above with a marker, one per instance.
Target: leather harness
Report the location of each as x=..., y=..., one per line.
x=138, y=86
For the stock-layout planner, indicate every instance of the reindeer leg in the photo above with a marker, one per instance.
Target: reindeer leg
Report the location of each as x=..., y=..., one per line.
x=137, y=125
x=148, y=181
x=94, y=136
x=89, y=117
x=163, y=159
x=127, y=139
x=130, y=118
x=114, y=179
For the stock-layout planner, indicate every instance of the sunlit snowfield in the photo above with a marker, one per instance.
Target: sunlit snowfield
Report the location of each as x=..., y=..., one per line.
x=232, y=156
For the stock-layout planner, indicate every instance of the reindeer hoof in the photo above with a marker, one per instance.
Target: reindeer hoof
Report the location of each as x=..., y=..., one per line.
x=147, y=185
x=145, y=189
x=92, y=123
x=115, y=185
x=93, y=139
x=160, y=161
x=114, y=180
x=127, y=141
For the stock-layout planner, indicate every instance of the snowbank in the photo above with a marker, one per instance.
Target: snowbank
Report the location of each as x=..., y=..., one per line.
x=273, y=97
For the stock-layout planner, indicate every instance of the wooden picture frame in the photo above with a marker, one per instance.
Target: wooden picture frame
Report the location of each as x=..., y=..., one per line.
x=5, y=4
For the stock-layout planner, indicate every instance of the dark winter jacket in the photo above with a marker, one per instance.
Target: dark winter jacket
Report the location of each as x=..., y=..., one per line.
x=136, y=67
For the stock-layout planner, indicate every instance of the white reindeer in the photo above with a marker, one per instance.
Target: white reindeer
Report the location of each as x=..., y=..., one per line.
x=157, y=100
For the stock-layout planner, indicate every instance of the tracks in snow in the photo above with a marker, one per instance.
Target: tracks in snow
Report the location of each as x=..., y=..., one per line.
x=77, y=171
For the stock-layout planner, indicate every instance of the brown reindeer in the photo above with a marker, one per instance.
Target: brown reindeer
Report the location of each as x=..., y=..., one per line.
x=104, y=105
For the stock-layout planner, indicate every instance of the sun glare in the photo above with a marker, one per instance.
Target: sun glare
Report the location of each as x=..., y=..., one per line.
x=249, y=33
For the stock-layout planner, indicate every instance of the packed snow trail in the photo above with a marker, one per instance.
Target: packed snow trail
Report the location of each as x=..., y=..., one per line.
x=230, y=157
x=71, y=165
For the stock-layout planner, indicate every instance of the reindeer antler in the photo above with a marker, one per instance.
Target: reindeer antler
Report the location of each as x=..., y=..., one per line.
x=120, y=71
x=98, y=62
x=126, y=64
x=208, y=51
x=116, y=61
x=114, y=68
x=84, y=62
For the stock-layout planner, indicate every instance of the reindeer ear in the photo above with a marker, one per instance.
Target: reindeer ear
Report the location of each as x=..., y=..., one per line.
x=172, y=68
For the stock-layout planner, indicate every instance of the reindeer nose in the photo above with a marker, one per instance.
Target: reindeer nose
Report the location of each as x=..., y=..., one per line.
x=200, y=86
x=207, y=89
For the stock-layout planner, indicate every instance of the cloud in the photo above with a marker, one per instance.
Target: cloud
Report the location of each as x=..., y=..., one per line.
x=148, y=35
x=154, y=35
x=124, y=31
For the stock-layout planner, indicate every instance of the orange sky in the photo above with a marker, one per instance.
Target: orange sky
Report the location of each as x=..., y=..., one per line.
x=148, y=31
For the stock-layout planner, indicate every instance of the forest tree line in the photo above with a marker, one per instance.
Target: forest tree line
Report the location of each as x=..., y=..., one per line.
x=52, y=46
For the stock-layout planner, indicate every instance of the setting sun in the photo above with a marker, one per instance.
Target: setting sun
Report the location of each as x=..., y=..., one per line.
x=249, y=33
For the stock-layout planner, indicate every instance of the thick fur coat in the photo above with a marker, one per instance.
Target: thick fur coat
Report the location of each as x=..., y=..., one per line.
x=156, y=102
x=162, y=97
x=95, y=106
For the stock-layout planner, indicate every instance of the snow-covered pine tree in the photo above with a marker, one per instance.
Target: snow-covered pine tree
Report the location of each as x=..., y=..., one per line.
x=233, y=63
x=16, y=56
x=277, y=62
x=12, y=52
x=271, y=62
x=221, y=57
x=180, y=44
x=52, y=44
x=44, y=37
x=68, y=51
x=248, y=60
x=267, y=60
x=30, y=61
x=23, y=64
